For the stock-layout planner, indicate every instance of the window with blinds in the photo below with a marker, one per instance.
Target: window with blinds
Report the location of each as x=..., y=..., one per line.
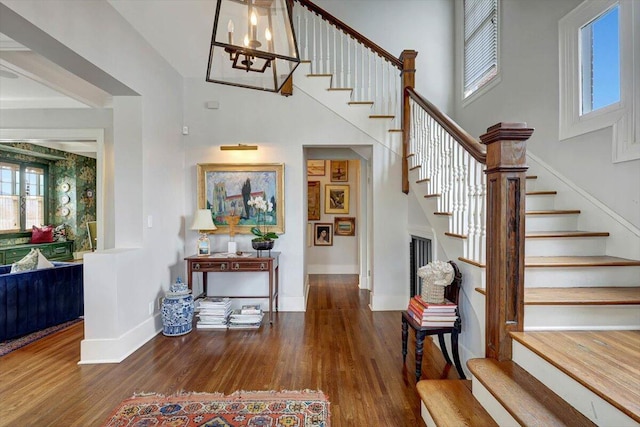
x=480, y=43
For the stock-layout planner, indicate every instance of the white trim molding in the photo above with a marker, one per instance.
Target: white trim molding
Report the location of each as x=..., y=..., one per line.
x=621, y=116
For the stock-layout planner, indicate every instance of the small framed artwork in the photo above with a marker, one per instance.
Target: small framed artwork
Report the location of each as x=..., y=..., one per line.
x=345, y=226
x=315, y=167
x=336, y=199
x=313, y=200
x=323, y=233
x=339, y=170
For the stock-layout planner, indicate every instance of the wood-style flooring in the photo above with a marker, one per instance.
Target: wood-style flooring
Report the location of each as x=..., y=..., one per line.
x=338, y=346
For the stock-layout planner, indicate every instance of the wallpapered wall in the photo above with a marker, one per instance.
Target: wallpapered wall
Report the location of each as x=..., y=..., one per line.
x=79, y=172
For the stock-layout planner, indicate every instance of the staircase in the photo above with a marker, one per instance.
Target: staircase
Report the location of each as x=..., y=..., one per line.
x=576, y=362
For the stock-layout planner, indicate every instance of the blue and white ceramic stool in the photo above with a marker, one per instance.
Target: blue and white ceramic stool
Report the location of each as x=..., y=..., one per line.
x=177, y=310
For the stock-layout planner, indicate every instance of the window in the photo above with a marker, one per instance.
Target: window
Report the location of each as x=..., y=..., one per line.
x=22, y=196
x=597, y=69
x=600, y=61
x=480, y=44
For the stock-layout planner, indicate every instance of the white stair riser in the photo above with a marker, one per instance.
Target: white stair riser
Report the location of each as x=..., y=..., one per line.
x=426, y=416
x=581, y=317
x=588, y=403
x=581, y=277
x=551, y=222
x=565, y=246
x=540, y=202
x=491, y=405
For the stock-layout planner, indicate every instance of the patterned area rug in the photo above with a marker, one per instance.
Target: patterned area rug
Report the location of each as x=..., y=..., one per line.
x=11, y=345
x=241, y=409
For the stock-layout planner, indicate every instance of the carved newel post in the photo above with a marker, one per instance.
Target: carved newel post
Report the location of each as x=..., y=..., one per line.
x=506, y=187
x=408, y=72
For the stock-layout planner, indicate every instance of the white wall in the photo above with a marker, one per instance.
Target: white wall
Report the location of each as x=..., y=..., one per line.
x=144, y=166
x=282, y=127
x=421, y=25
x=529, y=92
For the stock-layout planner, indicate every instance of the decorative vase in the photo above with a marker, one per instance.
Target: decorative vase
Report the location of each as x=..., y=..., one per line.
x=262, y=245
x=177, y=310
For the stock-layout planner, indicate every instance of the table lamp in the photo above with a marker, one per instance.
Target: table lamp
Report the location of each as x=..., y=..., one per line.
x=203, y=222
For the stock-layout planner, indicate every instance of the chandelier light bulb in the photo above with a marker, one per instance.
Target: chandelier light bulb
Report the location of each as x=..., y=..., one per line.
x=254, y=18
x=267, y=35
x=230, y=26
x=246, y=40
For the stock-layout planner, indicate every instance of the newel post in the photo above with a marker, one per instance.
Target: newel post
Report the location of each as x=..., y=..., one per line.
x=506, y=186
x=408, y=73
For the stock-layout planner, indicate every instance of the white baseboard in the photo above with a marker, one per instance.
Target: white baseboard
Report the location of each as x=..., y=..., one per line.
x=115, y=350
x=333, y=269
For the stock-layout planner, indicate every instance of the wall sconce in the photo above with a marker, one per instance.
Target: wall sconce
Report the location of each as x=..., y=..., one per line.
x=253, y=44
x=239, y=147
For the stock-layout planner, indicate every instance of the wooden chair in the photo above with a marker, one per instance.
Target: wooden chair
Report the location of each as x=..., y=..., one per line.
x=92, y=232
x=452, y=293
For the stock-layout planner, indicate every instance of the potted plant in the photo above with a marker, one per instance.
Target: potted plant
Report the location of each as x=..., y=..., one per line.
x=264, y=239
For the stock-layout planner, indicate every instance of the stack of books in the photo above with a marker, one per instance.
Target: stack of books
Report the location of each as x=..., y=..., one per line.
x=247, y=317
x=429, y=314
x=213, y=313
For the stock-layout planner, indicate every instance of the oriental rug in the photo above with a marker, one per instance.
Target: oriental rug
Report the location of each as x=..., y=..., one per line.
x=14, y=344
x=305, y=408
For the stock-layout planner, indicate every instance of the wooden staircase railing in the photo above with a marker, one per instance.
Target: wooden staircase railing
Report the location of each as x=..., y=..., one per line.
x=355, y=62
x=455, y=165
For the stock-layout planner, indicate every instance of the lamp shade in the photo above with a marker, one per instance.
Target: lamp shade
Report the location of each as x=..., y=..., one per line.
x=203, y=221
x=253, y=44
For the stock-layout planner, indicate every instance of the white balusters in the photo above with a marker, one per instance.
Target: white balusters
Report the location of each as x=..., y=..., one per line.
x=454, y=175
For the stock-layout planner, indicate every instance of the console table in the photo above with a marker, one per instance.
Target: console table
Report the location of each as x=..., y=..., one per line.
x=216, y=264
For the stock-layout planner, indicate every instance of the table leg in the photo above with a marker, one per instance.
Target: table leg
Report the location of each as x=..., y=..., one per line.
x=277, y=285
x=204, y=283
x=443, y=348
x=419, y=350
x=271, y=295
x=405, y=336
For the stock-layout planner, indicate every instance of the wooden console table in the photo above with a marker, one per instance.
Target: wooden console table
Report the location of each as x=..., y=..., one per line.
x=253, y=263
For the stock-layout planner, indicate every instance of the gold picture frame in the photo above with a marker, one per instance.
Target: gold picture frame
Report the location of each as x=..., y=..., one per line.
x=226, y=188
x=313, y=200
x=339, y=171
x=336, y=199
x=323, y=234
x=315, y=167
x=344, y=226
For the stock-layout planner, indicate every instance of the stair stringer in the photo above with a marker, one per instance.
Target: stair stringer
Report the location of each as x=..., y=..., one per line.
x=338, y=102
x=624, y=237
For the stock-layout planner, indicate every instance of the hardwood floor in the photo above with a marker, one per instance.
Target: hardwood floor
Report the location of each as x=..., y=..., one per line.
x=338, y=346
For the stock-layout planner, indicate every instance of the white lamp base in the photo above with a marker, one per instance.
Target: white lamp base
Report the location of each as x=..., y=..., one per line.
x=232, y=247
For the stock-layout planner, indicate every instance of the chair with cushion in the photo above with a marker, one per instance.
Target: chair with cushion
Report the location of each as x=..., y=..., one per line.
x=451, y=293
x=92, y=232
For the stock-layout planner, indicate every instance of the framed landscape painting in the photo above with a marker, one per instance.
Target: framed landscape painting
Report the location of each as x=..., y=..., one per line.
x=226, y=189
x=313, y=200
x=345, y=226
x=336, y=199
x=315, y=168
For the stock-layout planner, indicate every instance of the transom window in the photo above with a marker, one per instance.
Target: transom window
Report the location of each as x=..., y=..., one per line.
x=22, y=196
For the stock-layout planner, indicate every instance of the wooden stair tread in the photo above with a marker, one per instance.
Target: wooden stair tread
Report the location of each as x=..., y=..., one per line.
x=582, y=296
x=576, y=233
x=541, y=193
x=451, y=403
x=420, y=181
x=429, y=196
x=381, y=116
x=554, y=212
x=360, y=102
x=395, y=130
x=319, y=75
x=340, y=88
x=528, y=401
x=457, y=236
x=605, y=362
x=579, y=261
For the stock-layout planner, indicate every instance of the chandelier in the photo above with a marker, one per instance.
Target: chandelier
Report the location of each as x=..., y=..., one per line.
x=253, y=44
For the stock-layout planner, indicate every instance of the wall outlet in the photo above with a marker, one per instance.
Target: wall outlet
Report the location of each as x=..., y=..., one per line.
x=151, y=307
x=160, y=302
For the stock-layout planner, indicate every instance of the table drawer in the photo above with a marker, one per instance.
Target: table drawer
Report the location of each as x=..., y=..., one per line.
x=230, y=265
x=13, y=255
